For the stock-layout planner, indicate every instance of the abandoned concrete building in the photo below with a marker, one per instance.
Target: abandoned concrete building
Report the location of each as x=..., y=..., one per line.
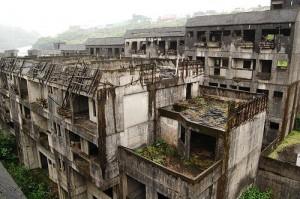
x=70, y=49
x=282, y=4
x=219, y=132
x=163, y=113
x=11, y=53
x=279, y=168
x=165, y=42
x=72, y=117
x=256, y=52
x=43, y=53
x=106, y=47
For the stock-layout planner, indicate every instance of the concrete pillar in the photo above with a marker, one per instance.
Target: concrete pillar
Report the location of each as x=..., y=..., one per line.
x=29, y=152
x=188, y=142
x=84, y=146
x=123, y=185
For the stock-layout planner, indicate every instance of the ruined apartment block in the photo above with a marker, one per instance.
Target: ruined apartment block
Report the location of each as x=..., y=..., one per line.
x=256, y=52
x=215, y=135
x=165, y=42
x=70, y=115
x=283, y=4
x=106, y=47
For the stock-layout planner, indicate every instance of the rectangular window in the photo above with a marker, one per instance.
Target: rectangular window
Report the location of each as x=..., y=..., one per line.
x=247, y=89
x=233, y=87
x=278, y=94
x=263, y=91
x=247, y=64
x=274, y=125
x=223, y=85
x=190, y=34
x=213, y=84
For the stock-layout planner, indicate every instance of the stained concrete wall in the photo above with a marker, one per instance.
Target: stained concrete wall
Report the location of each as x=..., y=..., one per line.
x=166, y=182
x=282, y=178
x=245, y=147
x=169, y=130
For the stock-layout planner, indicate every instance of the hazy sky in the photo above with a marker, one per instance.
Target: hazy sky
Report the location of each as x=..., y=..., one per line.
x=49, y=17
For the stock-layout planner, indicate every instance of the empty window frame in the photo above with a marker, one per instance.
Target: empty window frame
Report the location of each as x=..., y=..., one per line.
x=190, y=34
x=266, y=66
x=233, y=87
x=274, y=126
x=173, y=45
x=217, y=71
x=213, y=84
x=223, y=86
x=249, y=35
x=242, y=88
x=201, y=36
x=215, y=36
x=247, y=64
x=278, y=94
x=263, y=91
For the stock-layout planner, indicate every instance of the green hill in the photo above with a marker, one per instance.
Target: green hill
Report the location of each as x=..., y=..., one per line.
x=76, y=34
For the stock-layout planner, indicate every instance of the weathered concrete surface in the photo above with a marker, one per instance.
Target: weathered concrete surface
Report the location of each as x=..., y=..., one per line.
x=245, y=147
x=8, y=188
x=281, y=177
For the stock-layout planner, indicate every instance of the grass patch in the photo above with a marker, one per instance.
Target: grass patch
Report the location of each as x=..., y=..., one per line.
x=292, y=139
x=162, y=153
x=157, y=152
x=35, y=184
x=254, y=193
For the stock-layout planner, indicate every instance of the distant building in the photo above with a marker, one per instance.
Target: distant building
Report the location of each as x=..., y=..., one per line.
x=73, y=49
x=282, y=4
x=253, y=52
x=11, y=53
x=165, y=42
x=43, y=53
x=105, y=47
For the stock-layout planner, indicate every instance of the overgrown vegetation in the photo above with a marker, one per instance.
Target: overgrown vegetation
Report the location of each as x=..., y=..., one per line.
x=158, y=152
x=254, y=193
x=292, y=139
x=162, y=153
x=34, y=183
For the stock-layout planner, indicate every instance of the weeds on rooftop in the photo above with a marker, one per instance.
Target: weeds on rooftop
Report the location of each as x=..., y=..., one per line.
x=157, y=152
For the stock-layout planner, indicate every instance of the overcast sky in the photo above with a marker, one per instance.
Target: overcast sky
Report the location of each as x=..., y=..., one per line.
x=49, y=17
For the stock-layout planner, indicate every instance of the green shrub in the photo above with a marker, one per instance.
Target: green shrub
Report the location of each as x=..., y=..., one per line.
x=254, y=193
x=33, y=183
x=7, y=147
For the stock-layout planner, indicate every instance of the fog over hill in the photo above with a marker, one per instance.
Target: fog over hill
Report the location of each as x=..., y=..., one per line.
x=77, y=34
x=13, y=37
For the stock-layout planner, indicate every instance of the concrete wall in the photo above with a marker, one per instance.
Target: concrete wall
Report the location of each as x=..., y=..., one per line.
x=166, y=182
x=282, y=178
x=169, y=130
x=245, y=147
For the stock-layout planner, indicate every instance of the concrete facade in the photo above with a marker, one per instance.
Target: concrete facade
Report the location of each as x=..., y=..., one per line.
x=74, y=132
x=279, y=175
x=229, y=174
x=106, y=47
x=165, y=42
x=238, y=54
